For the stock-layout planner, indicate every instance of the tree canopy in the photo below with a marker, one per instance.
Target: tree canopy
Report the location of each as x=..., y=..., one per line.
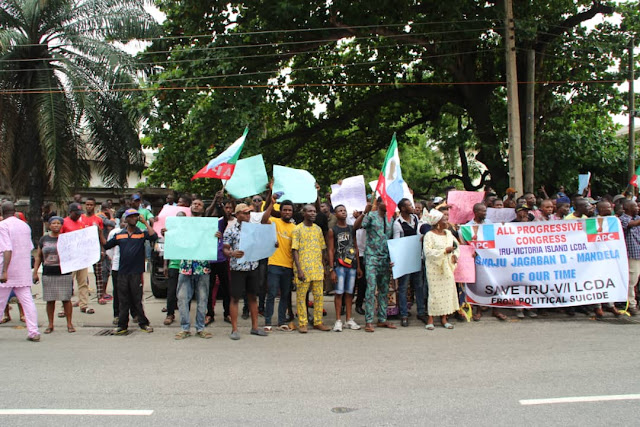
x=323, y=86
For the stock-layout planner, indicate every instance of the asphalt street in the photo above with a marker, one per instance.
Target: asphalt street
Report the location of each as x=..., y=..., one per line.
x=476, y=374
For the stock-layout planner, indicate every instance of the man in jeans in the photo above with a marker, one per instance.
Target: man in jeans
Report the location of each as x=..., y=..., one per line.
x=344, y=267
x=193, y=278
x=280, y=269
x=131, y=243
x=406, y=225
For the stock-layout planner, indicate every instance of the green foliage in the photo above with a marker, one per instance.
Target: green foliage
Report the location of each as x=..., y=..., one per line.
x=431, y=71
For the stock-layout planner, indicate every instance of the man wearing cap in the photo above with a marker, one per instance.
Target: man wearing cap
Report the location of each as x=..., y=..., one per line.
x=76, y=221
x=15, y=266
x=244, y=275
x=131, y=242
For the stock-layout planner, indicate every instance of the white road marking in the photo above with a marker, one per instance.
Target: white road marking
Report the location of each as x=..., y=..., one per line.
x=580, y=399
x=109, y=412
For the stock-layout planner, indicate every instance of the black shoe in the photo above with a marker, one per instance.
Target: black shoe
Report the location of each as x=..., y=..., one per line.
x=422, y=317
x=343, y=311
x=227, y=319
x=359, y=310
x=245, y=314
x=404, y=322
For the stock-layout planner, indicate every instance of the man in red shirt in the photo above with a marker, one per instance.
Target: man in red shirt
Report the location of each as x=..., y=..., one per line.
x=90, y=218
x=77, y=221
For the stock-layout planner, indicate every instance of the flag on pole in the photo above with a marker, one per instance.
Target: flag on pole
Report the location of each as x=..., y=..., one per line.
x=634, y=178
x=222, y=167
x=390, y=180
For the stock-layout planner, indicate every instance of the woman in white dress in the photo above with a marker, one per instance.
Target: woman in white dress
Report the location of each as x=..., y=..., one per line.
x=441, y=255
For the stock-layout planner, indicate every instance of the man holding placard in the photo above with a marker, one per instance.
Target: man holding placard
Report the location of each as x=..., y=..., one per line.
x=280, y=269
x=193, y=278
x=131, y=242
x=76, y=221
x=244, y=275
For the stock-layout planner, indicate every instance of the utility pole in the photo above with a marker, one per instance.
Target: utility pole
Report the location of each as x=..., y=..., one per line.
x=632, y=113
x=513, y=108
x=529, y=176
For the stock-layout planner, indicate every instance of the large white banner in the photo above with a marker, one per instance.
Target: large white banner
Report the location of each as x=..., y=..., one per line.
x=548, y=264
x=78, y=249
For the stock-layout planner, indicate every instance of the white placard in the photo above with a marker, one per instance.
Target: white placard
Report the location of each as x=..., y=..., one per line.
x=351, y=193
x=78, y=249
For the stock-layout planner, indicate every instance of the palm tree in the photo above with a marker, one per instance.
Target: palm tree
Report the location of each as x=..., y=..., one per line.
x=64, y=90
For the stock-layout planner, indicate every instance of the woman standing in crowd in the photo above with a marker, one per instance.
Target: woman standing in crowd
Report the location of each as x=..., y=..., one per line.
x=55, y=285
x=441, y=255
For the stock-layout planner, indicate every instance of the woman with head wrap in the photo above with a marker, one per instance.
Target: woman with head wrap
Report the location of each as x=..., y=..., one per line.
x=441, y=255
x=55, y=285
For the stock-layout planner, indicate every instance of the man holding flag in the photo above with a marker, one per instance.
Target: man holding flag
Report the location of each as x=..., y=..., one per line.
x=222, y=167
x=379, y=229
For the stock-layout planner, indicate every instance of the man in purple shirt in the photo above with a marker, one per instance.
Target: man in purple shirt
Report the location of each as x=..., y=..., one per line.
x=16, y=246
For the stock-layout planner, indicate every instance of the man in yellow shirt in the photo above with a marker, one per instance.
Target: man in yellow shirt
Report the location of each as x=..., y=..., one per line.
x=309, y=249
x=581, y=209
x=280, y=265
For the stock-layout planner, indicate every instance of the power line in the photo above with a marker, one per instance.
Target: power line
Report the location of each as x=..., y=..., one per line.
x=302, y=85
x=200, y=78
x=272, y=44
x=266, y=55
x=292, y=30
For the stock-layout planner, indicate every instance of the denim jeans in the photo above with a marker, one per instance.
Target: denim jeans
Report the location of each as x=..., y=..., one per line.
x=346, y=280
x=278, y=278
x=418, y=288
x=187, y=285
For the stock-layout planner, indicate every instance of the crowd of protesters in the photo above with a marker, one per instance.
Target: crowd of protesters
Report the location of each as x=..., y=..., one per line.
x=321, y=249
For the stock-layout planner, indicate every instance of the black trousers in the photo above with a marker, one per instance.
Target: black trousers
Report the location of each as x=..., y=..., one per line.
x=220, y=270
x=172, y=286
x=130, y=296
x=116, y=299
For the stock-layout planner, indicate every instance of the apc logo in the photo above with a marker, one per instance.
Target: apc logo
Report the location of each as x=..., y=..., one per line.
x=479, y=236
x=602, y=229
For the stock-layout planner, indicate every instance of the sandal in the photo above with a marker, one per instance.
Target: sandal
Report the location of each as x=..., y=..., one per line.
x=22, y=319
x=48, y=331
x=61, y=314
x=71, y=329
x=87, y=310
x=476, y=317
x=386, y=325
x=447, y=326
x=500, y=316
x=284, y=328
x=208, y=320
x=369, y=328
x=5, y=320
x=268, y=329
x=430, y=327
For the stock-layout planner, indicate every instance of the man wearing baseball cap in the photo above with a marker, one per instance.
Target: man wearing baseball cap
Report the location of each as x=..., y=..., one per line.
x=244, y=275
x=76, y=221
x=131, y=242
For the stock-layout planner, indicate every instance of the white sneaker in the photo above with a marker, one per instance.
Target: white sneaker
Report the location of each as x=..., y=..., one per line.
x=351, y=324
x=338, y=326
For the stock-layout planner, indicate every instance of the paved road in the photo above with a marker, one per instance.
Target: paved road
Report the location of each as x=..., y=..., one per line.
x=475, y=374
